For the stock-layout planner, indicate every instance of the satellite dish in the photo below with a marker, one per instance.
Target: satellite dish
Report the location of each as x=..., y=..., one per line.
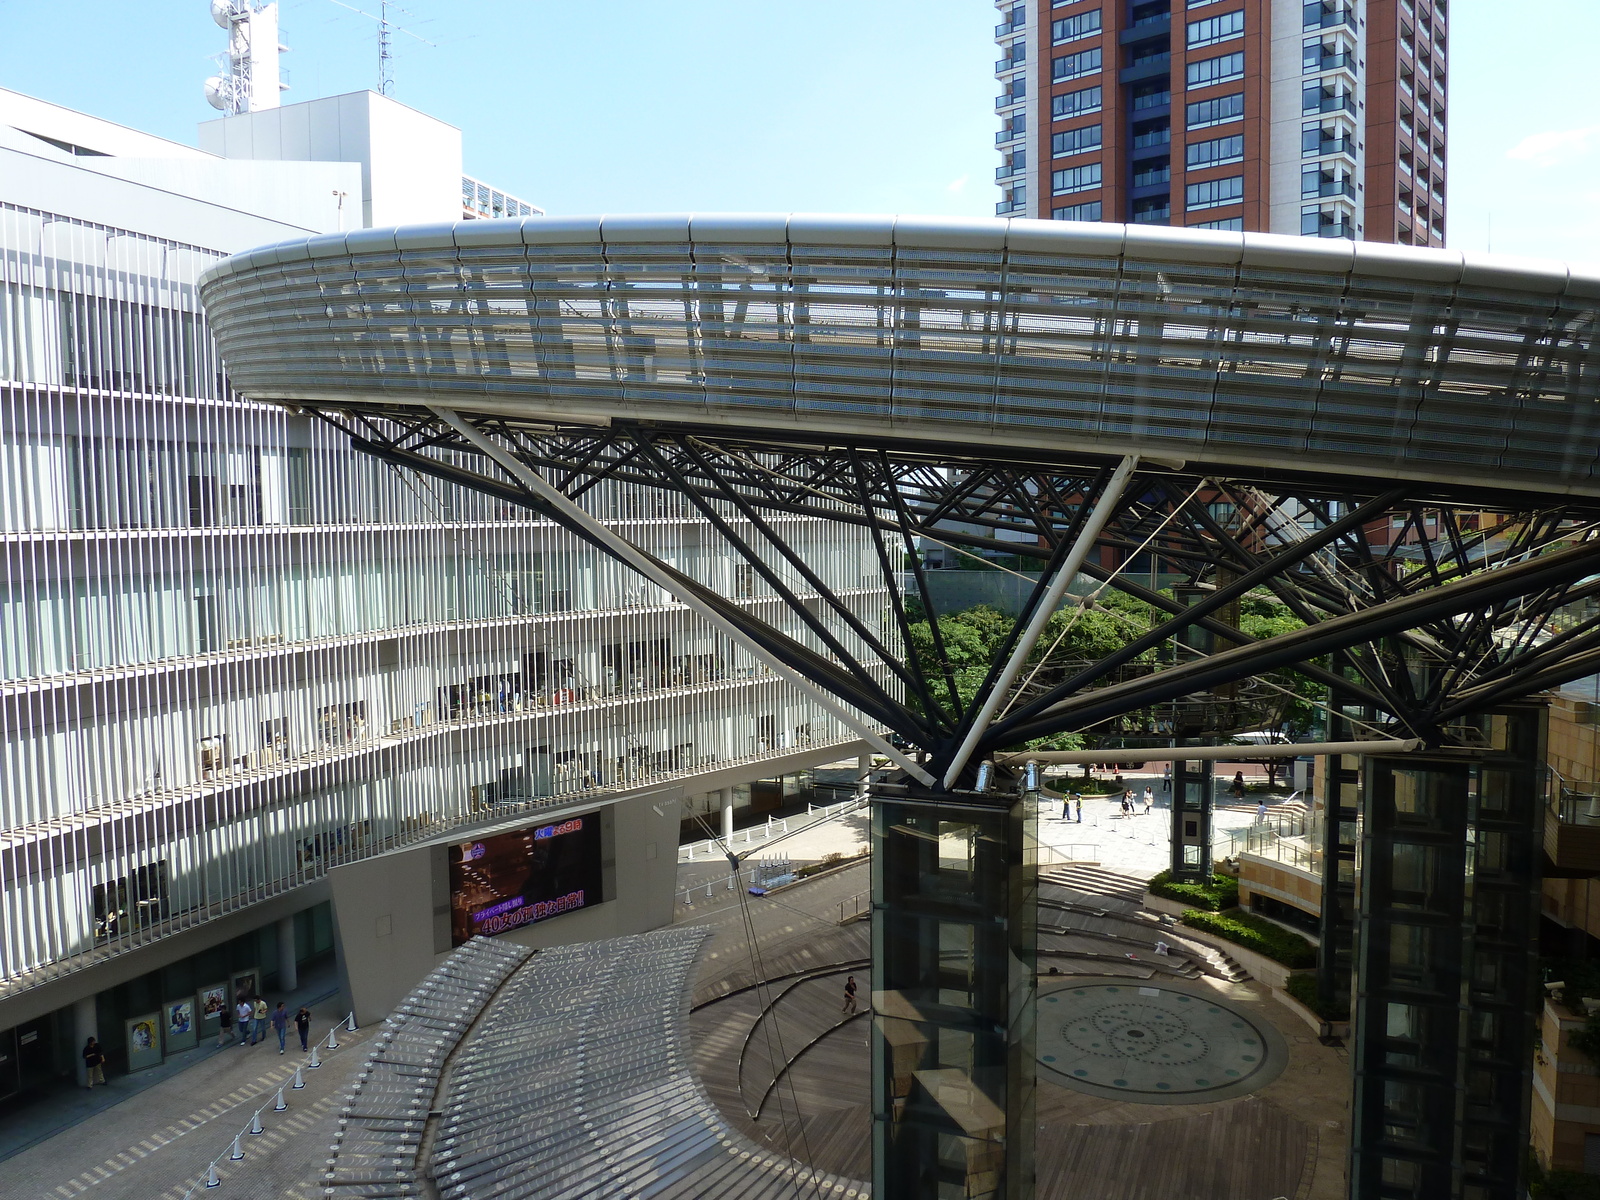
x=221, y=11
x=217, y=89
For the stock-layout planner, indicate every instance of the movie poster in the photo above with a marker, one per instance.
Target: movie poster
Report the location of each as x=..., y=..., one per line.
x=144, y=1041
x=211, y=999
x=504, y=882
x=181, y=1032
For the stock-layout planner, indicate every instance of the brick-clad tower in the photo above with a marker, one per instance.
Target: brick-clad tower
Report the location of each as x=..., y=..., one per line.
x=1323, y=118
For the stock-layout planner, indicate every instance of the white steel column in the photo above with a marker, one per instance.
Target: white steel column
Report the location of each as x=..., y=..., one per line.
x=288, y=967
x=630, y=554
x=863, y=775
x=1042, y=614
x=726, y=797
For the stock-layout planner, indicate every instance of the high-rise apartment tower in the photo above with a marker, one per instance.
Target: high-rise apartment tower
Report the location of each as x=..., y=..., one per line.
x=1324, y=118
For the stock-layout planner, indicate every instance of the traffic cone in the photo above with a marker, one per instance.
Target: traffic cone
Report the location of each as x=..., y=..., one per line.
x=333, y=1038
x=315, y=1061
x=211, y=1176
x=350, y=1023
x=238, y=1150
x=255, y=1122
x=281, y=1104
x=299, y=1078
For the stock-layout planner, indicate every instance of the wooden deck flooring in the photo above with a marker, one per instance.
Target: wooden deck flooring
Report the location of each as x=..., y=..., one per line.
x=1255, y=1147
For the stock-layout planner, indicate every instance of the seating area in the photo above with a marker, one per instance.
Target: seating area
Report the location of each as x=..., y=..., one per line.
x=557, y=1073
x=385, y=1119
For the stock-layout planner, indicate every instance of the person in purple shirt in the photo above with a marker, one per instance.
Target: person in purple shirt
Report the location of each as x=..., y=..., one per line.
x=280, y=1025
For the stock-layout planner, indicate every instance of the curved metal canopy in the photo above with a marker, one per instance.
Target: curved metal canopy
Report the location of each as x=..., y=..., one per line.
x=1239, y=354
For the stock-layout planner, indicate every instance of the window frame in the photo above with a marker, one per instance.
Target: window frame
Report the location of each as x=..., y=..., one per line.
x=1084, y=183
x=1226, y=29
x=1190, y=191
x=1097, y=53
x=1189, y=123
x=1190, y=70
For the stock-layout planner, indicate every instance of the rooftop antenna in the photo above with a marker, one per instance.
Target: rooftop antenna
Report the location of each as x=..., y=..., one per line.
x=386, y=31
x=249, y=79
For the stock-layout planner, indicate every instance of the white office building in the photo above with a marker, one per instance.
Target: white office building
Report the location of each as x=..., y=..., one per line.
x=236, y=653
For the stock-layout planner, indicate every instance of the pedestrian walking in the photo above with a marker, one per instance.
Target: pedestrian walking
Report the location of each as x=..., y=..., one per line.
x=1238, y=784
x=258, y=1030
x=1149, y=799
x=242, y=1012
x=1261, y=813
x=302, y=1022
x=280, y=1025
x=1077, y=804
x=225, y=1021
x=849, y=995
x=94, y=1063
x=1166, y=778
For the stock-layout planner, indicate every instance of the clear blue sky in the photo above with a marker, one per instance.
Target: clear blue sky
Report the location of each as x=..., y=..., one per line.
x=863, y=106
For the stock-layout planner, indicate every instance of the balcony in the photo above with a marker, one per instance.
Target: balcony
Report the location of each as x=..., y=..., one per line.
x=1572, y=833
x=1329, y=62
x=1312, y=104
x=1144, y=179
x=1015, y=133
x=1156, y=137
x=1329, y=188
x=1319, y=16
x=1148, y=28
x=1007, y=28
x=1151, y=101
x=1342, y=145
x=1017, y=166
x=1152, y=66
x=1014, y=205
x=1336, y=229
x=1153, y=216
x=1008, y=98
x=1010, y=63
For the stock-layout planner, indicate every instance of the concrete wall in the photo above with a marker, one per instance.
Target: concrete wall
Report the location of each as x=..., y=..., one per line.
x=391, y=913
x=410, y=162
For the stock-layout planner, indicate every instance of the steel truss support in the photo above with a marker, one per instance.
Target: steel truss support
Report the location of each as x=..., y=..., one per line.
x=1419, y=607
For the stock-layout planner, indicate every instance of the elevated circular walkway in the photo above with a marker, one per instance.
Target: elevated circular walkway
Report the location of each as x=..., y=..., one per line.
x=1249, y=355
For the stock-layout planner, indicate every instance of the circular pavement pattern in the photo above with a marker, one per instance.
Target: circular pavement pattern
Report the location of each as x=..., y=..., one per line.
x=1154, y=1045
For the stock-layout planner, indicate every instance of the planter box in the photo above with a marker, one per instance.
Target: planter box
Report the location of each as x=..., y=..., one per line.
x=1338, y=1029
x=1160, y=904
x=1258, y=966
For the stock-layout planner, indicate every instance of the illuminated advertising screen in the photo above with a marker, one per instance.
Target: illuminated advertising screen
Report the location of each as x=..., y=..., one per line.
x=509, y=880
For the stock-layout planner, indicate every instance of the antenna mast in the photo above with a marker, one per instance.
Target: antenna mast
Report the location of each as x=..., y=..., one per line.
x=386, y=31
x=385, y=58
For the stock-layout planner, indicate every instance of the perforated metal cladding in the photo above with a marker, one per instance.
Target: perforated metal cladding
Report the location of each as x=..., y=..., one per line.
x=1177, y=346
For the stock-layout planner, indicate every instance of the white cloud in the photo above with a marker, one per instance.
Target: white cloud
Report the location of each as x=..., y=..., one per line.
x=955, y=185
x=1555, y=146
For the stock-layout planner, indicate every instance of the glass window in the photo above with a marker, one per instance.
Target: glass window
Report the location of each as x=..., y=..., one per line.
x=1070, y=66
x=1214, y=192
x=1217, y=111
x=1231, y=224
x=1215, y=152
x=1076, y=141
x=1215, y=70
x=1079, y=25
x=1215, y=29
x=1078, y=212
x=1076, y=179
x=1073, y=104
